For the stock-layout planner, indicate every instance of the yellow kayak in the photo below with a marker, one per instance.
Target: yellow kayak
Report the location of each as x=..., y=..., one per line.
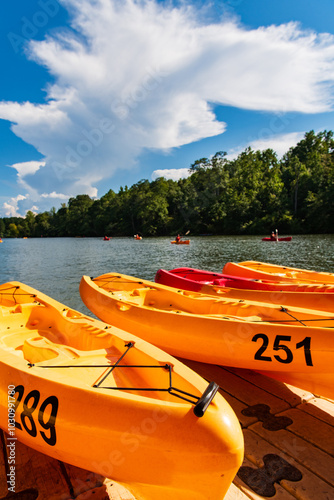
x=263, y=271
x=104, y=400
x=294, y=345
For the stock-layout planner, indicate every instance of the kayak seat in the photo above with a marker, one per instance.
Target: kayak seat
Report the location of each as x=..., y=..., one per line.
x=37, y=349
x=138, y=296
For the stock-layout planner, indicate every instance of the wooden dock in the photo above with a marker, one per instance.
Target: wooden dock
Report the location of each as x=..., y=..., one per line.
x=289, y=448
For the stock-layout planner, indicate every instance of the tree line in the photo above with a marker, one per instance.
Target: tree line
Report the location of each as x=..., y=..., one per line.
x=252, y=194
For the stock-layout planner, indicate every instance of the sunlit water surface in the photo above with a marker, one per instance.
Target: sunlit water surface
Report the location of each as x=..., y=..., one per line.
x=54, y=266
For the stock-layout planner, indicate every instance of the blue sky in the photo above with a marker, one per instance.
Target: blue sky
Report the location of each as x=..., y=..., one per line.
x=98, y=94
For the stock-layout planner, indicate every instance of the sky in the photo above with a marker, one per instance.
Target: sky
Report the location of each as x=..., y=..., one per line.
x=100, y=94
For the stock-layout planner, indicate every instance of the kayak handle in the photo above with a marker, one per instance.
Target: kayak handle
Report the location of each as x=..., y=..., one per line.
x=205, y=399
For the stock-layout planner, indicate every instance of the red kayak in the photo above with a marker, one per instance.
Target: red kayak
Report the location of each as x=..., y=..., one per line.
x=197, y=280
x=284, y=238
x=187, y=278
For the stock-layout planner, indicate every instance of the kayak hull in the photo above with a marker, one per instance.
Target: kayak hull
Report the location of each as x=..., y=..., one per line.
x=58, y=371
x=181, y=242
x=311, y=296
x=284, y=238
x=273, y=272
x=211, y=330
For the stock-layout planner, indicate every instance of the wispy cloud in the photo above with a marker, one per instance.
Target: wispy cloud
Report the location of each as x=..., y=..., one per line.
x=57, y=196
x=136, y=75
x=279, y=143
x=172, y=173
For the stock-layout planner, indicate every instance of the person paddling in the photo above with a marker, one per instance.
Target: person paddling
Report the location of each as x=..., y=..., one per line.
x=274, y=236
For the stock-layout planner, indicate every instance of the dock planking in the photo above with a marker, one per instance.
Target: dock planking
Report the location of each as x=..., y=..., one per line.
x=289, y=447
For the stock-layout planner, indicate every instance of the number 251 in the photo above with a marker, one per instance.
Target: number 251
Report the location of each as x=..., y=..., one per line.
x=279, y=346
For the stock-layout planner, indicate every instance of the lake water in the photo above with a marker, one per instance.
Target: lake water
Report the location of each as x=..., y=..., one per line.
x=54, y=266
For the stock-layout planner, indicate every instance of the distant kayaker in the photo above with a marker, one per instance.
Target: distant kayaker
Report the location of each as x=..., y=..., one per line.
x=178, y=238
x=274, y=235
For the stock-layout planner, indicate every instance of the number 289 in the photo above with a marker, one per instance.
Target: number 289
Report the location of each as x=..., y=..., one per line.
x=30, y=403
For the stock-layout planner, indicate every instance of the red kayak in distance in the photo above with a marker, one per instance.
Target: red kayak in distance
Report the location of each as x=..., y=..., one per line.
x=284, y=238
x=196, y=280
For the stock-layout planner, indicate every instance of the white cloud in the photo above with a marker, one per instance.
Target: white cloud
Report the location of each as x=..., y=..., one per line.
x=139, y=75
x=11, y=207
x=28, y=167
x=10, y=210
x=279, y=143
x=33, y=209
x=173, y=173
x=58, y=196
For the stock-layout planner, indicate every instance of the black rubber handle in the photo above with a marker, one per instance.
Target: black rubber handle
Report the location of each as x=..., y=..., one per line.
x=205, y=399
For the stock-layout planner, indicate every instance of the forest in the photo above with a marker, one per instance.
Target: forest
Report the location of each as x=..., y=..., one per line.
x=252, y=194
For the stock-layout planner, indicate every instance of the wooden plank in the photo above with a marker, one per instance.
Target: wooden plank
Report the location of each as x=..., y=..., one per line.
x=38, y=471
x=98, y=493
x=54, y=480
x=238, y=387
x=309, y=487
x=281, y=493
x=117, y=491
x=292, y=395
x=301, y=450
x=317, y=432
x=322, y=409
x=235, y=493
x=243, y=389
x=79, y=480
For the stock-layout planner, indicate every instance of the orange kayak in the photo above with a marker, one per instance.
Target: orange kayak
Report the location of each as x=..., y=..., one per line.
x=265, y=271
x=295, y=345
x=102, y=399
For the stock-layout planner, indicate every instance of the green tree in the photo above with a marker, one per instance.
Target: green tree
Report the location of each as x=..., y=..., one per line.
x=42, y=225
x=152, y=207
x=78, y=221
x=13, y=231
x=30, y=220
x=307, y=172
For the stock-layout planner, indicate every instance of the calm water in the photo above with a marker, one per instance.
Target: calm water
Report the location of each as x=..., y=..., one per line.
x=55, y=265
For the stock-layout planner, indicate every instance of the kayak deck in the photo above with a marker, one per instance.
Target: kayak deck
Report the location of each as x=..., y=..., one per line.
x=282, y=426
